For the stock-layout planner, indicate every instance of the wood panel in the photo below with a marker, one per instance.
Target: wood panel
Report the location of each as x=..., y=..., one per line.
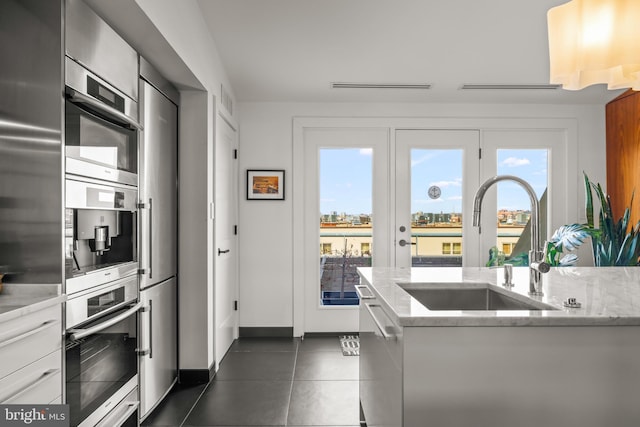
x=623, y=153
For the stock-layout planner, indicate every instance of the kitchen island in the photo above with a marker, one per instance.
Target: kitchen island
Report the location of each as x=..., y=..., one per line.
x=548, y=366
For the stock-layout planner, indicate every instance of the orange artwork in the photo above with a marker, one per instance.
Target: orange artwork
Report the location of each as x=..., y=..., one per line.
x=265, y=185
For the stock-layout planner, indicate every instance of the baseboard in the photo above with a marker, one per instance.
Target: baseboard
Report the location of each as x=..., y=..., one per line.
x=266, y=332
x=327, y=334
x=196, y=376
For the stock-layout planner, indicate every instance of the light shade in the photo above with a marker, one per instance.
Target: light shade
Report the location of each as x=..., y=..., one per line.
x=595, y=41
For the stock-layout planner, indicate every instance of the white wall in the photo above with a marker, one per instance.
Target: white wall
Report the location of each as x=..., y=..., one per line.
x=266, y=232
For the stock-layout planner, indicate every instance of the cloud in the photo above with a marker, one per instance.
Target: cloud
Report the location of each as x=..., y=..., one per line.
x=424, y=158
x=442, y=184
x=366, y=151
x=454, y=198
x=514, y=162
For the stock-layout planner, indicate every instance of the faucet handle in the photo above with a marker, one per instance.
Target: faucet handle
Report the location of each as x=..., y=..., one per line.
x=508, y=275
x=542, y=266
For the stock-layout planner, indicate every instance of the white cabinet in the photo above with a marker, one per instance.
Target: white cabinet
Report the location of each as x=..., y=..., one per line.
x=31, y=355
x=380, y=365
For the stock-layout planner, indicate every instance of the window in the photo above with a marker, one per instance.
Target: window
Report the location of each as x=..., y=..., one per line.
x=345, y=199
x=457, y=248
x=365, y=248
x=446, y=248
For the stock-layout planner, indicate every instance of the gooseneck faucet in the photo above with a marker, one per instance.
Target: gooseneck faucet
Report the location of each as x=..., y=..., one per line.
x=537, y=265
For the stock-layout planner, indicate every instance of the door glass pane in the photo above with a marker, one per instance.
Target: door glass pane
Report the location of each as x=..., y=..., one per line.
x=513, y=240
x=436, y=207
x=345, y=222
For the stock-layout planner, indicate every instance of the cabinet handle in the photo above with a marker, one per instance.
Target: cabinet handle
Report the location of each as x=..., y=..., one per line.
x=363, y=296
x=150, y=231
x=150, y=329
x=42, y=378
x=384, y=333
x=148, y=351
x=22, y=336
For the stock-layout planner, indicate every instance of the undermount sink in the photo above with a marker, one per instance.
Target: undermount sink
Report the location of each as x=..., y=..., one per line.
x=467, y=296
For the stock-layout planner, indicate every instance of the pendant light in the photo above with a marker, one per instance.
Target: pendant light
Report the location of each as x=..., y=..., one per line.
x=595, y=41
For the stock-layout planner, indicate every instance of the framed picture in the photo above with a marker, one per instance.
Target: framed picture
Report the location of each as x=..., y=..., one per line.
x=265, y=184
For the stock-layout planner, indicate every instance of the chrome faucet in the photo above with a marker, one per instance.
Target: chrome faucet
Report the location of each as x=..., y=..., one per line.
x=537, y=264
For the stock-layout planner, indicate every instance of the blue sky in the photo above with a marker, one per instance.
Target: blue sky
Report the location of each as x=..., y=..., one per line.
x=345, y=179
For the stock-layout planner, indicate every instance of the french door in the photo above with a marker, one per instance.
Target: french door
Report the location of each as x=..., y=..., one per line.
x=437, y=173
x=419, y=185
x=346, y=211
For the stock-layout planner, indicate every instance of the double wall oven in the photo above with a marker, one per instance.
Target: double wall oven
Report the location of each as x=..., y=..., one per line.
x=101, y=222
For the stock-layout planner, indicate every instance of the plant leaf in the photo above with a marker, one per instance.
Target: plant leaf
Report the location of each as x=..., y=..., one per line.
x=588, y=201
x=568, y=260
x=569, y=237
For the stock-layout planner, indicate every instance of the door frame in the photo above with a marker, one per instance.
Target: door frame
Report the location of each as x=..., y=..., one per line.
x=570, y=148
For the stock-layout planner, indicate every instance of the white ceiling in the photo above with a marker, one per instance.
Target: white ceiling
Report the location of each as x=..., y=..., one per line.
x=291, y=50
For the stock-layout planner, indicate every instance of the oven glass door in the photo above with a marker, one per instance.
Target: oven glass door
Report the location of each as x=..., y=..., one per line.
x=98, y=145
x=100, y=364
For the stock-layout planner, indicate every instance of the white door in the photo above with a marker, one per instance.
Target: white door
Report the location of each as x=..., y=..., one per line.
x=346, y=211
x=225, y=252
x=437, y=173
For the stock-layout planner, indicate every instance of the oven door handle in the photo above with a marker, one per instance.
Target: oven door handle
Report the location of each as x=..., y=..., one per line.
x=80, y=98
x=76, y=334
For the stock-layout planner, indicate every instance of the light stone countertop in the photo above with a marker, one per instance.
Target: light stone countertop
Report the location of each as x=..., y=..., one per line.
x=17, y=300
x=609, y=296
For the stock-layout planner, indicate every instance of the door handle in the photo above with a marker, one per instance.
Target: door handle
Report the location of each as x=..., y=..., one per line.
x=405, y=243
x=226, y=251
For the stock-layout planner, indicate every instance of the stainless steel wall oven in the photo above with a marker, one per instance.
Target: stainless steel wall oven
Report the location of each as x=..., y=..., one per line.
x=101, y=131
x=101, y=357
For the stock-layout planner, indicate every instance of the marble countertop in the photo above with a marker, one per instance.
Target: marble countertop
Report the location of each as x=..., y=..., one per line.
x=17, y=300
x=609, y=296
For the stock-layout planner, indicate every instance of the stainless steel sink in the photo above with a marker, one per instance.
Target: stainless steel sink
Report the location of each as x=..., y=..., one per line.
x=476, y=296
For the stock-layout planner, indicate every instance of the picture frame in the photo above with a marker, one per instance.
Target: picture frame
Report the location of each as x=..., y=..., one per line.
x=265, y=184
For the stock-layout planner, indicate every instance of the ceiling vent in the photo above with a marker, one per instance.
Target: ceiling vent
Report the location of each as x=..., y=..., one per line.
x=511, y=87
x=339, y=85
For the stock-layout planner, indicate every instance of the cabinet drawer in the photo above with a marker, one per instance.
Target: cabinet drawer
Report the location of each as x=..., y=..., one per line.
x=28, y=338
x=37, y=383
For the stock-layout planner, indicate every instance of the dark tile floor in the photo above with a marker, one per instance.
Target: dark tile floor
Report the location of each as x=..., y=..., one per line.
x=270, y=382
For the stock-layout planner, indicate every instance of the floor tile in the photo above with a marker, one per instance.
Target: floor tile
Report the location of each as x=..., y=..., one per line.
x=264, y=344
x=242, y=403
x=175, y=406
x=320, y=344
x=326, y=366
x=257, y=366
x=324, y=403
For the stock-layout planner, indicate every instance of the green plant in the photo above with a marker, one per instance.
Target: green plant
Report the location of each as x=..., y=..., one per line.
x=567, y=237
x=614, y=243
